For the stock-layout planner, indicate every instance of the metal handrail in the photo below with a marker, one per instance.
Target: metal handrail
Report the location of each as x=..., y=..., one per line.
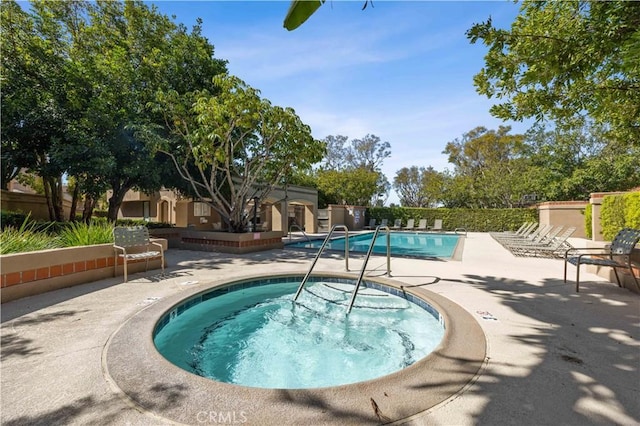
x=366, y=259
x=301, y=230
x=324, y=244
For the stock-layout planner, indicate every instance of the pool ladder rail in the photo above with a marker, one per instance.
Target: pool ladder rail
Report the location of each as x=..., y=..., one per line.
x=346, y=256
x=300, y=229
x=322, y=247
x=366, y=260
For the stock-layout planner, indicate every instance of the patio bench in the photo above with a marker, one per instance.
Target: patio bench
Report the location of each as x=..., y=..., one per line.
x=133, y=243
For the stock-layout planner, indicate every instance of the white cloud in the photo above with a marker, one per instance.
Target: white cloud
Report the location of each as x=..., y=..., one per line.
x=402, y=71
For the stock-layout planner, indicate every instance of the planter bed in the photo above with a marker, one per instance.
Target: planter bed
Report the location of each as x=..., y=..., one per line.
x=31, y=273
x=224, y=242
x=28, y=274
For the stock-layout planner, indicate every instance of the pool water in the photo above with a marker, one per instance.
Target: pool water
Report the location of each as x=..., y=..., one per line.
x=402, y=244
x=259, y=337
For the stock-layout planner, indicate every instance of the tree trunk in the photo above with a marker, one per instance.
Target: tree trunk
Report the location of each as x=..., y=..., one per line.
x=116, y=201
x=74, y=203
x=89, y=205
x=53, y=192
x=58, y=199
x=47, y=195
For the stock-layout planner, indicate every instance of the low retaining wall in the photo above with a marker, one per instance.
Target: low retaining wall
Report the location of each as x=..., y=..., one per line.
x=607, y=273
x=28, y=274
x=226, y=242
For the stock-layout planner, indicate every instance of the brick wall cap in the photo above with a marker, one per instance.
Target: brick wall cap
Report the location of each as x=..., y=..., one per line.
x=564, y=203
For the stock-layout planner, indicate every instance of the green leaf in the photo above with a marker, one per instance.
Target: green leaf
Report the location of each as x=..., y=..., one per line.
x=300, y=11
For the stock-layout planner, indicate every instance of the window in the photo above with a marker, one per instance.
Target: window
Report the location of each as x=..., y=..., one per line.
x=145, y=210
x=201, y=209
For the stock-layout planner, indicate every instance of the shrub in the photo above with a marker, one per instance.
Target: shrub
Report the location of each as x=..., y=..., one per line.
x=473, y=220
x=611, y=216
x=588, y=221
x=619, y=211
x=12, y=218
x=142, y=222
x=81, y=234
x=632, y=210
x=26, y=238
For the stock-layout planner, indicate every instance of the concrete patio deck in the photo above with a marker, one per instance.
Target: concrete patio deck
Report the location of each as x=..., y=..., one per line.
x=553, y=356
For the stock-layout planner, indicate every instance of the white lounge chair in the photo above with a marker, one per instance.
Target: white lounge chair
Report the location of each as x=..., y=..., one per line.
x=372, y=224
x=422, y=225
x=553, y=247
x=437, y=225
x=410, y=225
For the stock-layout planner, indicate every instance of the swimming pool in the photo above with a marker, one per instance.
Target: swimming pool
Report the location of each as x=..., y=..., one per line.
x=418, y=244
x=138, y=372
x=255, y=335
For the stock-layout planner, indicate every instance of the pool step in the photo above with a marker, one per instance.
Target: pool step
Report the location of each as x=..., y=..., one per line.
x=339, y=293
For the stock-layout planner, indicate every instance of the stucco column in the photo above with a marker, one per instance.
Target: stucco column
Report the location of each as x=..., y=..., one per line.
x=596, y=205
x=279, y=216
x=310, y=222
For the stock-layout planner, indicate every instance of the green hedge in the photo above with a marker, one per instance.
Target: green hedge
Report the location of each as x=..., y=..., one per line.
x=588, y=221
x=619, y=211
x=473, y=220
x=12, y=218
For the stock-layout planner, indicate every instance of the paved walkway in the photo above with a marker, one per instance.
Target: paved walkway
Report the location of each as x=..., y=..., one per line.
x=554, y=356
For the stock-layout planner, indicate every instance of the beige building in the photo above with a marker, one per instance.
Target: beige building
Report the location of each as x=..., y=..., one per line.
x=277, y=212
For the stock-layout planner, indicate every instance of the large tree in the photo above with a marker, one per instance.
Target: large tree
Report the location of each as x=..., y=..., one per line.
x=235, y=145
x=355, y=159
x=36, y=113
x=488, y=167
x=351, y=186
x=419, y=186
x=135, y=52
x=564, y=61
x=77, y=80
x=570, y=165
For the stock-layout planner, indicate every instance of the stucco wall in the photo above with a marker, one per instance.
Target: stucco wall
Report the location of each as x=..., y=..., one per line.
x=34, y=203
x=28, y=274
x=565, y=213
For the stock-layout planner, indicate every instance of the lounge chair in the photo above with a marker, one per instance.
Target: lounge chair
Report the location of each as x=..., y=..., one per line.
x=372, y=224
x=437, y=226
x=530, y=234
x=524, y=232
x=410, y=225
x=384, y=222
x=422, y=225
x=397, y=225
x=543, y=236
x=520, y=230
x=552, y=248
x=621, y=246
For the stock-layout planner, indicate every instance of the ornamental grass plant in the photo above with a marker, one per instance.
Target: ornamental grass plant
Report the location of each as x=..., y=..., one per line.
x=31, y=236
x=81, y=234
x=26, y=238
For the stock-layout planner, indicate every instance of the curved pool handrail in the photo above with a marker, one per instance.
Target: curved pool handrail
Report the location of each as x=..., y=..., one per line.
x=366, y=260
x=294, y=225
x=324, y=244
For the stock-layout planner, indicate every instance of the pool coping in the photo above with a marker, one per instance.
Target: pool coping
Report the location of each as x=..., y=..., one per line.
x=143, y=377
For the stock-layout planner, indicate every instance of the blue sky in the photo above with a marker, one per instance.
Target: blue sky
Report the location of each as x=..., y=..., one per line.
x=402, y=70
